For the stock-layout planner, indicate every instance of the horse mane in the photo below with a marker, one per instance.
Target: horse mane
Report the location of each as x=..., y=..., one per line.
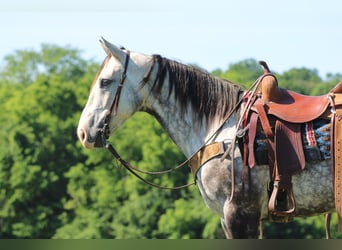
x=209, y=96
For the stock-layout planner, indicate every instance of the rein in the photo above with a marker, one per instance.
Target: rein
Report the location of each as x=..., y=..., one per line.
x=133, y=170
x=105, y=132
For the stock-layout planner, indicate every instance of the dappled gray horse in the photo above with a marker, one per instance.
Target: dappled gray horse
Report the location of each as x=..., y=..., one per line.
x=196, y=109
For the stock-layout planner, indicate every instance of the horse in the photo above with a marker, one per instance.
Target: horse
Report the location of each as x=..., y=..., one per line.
x=192, y=106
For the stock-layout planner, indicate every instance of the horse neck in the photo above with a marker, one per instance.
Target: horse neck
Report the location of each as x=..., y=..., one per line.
x=188, y=131
x=189, y=103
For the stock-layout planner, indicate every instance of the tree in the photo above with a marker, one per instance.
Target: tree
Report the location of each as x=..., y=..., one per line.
x=244, y=72
x=24, y=66
x=110, y=203
x=51, y=187
x=301, y=80
x=38, y=119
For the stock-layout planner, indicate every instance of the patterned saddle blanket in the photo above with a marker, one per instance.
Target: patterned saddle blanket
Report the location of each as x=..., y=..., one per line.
x=315, y=138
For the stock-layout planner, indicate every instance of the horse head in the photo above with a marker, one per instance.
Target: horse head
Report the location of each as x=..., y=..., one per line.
x=113, y=96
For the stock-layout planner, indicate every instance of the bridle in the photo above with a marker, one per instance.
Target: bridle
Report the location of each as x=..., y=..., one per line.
x=104, y=133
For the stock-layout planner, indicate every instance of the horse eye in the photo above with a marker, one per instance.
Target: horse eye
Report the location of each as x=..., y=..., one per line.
x=105, y=82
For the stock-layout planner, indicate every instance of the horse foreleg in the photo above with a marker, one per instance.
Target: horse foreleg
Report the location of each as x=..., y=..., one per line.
x=225, y=229
x=261, y=231
x=327, y=225
x=238, y=224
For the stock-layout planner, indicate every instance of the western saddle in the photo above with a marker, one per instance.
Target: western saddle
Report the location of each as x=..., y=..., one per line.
x=279, y=114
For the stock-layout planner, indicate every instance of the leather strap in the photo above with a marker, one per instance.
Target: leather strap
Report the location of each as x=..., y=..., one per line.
x=251, y=138
x=268, y=133
x=208, y=152
x=264, y=120
x=115, y=104
x=280, y=182
x=132, y=169
x=337, y=156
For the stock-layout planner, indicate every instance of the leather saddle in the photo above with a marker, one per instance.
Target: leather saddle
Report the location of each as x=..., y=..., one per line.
x=279, y=113
x=291, y=106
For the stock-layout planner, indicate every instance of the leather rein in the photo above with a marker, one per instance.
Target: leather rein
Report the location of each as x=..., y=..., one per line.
x=105, y=133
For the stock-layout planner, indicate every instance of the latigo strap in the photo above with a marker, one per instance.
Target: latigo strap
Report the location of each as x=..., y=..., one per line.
x=337, y=153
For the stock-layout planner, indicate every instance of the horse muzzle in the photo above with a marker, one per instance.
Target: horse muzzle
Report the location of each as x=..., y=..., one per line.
x=94, y=136
x=99, y=141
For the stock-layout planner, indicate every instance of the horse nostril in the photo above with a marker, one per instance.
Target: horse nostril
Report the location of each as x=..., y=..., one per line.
x=82, y=135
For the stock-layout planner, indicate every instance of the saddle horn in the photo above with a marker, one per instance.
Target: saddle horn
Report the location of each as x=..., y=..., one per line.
x=265, y=66
x=269, y=85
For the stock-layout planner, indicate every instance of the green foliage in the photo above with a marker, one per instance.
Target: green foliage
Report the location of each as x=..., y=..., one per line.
x=38, y=135
x=50, y=187
x=244, y=72
x=301, y=80
x=24, y=66
x=187, y=220
x=301, y=228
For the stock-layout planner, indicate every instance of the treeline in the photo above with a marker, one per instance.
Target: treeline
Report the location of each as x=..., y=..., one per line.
x=50, y=187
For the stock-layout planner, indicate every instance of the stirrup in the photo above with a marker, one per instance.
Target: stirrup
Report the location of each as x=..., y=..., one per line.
x=272, y=204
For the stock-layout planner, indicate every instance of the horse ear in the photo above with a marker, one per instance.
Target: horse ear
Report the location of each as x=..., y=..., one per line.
x=113, y=50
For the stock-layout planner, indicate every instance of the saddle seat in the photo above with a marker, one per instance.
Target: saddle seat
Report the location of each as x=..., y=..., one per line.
x=291, y=106
x=297, y=108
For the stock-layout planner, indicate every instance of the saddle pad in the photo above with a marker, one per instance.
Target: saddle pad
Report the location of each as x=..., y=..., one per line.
x=315, y=138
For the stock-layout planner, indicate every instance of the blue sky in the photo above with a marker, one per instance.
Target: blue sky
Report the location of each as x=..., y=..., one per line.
x=212, y=34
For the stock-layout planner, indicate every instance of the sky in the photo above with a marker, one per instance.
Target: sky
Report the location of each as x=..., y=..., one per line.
x=212, y=33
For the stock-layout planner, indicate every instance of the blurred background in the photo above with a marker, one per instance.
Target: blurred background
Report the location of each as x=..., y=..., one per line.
x=50, y=187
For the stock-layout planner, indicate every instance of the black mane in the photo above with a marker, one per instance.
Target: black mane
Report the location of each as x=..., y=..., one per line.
x=209, y=96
